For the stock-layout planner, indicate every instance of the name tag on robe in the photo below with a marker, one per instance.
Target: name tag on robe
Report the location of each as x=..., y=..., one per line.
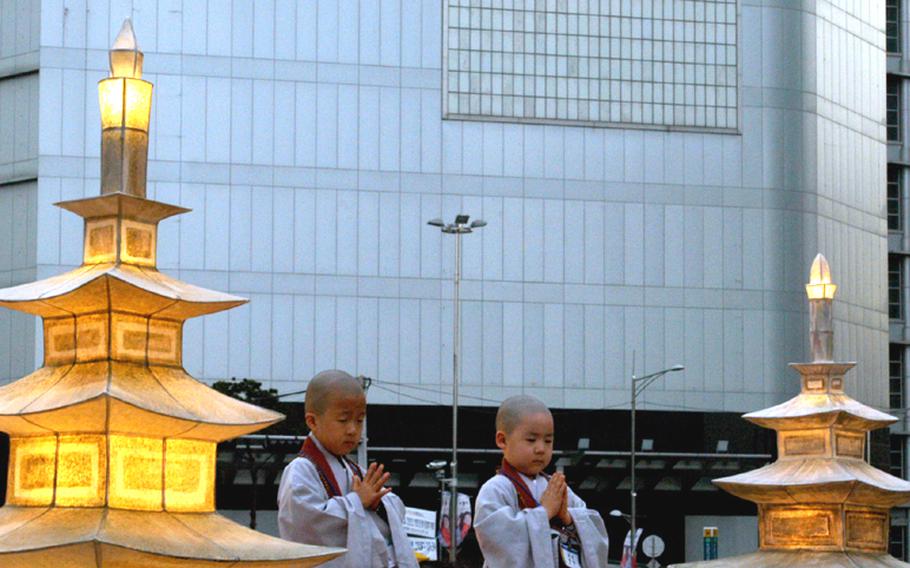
x=568, y=549
x=570, y=555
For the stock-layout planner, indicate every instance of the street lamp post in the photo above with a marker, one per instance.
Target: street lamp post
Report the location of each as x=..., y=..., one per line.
x=639, y=384
x=460, y=227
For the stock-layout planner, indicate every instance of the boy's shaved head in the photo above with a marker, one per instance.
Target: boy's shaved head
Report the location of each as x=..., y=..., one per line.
x=327, y=384
x=515, y=408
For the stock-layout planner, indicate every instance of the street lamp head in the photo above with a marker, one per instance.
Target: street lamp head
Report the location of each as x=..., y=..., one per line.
x=677, y=367
x=462, y=219
x=478, y=224
x=620, y=515
x=436, y=223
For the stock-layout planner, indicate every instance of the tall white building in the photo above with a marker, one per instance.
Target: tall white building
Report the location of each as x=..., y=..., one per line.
x=656, y=176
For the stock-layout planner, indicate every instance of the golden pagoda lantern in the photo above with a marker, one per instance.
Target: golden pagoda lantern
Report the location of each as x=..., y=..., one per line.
x=820, y=504
x=112, y=443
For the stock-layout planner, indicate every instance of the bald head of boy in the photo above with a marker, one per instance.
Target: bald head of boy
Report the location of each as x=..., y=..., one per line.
x=335, y=408
x=328, y=384
x=524, y=433
x=515, y=408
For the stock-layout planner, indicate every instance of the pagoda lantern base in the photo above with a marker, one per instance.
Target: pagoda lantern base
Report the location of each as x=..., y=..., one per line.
x=102, y=537
x=803, y=559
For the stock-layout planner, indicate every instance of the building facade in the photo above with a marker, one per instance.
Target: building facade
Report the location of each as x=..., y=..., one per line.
x=656, y=177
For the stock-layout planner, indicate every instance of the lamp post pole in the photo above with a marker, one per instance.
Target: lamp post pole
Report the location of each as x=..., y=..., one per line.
x=456, y=378
x=364, y=440
x=639, y=384
x=458, y=228
x=632, y=489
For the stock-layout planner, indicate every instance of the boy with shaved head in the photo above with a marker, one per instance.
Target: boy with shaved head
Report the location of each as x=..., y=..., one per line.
x=326, y=499
x=524, y=517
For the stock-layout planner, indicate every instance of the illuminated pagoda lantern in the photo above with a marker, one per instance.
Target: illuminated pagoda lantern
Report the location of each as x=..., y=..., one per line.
x=820, y=504
x=112, y=443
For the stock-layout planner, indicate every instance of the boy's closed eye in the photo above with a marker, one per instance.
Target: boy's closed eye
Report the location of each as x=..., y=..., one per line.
x=347, y=418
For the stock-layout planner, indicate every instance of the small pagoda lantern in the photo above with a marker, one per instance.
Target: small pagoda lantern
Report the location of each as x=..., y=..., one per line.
x=820, y=504
x=112, y=443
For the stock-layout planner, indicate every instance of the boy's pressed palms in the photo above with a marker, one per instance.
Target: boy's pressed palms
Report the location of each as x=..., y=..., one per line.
x=371, y=488
x=564, y=514
x=554, y=496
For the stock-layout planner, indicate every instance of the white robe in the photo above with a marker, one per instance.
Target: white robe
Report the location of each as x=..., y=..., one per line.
x=510, y=536
x=307, y=515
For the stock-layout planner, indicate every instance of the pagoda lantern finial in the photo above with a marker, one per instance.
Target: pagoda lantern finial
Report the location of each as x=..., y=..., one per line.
x=126, y=106
x=821, y=290
x=125, y=57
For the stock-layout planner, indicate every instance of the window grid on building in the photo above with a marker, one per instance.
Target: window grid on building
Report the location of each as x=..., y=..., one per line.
x=895, y=222
x=893, y=109
x=896, y=376
x=893, y=26
x=648, y=62
x=897, y=541
x=895, y=305
x=896, y=467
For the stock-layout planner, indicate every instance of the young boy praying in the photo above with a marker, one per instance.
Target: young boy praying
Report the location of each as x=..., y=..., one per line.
x=524, y=517
x=325, y=499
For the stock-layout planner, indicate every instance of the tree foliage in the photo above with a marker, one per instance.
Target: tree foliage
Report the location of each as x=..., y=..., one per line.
x=249, y=390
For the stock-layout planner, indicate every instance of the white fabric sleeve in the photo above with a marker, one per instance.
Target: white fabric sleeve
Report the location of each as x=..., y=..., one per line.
x=307, y=515
x=592, y=533
x=510, y=536
x=395, y=510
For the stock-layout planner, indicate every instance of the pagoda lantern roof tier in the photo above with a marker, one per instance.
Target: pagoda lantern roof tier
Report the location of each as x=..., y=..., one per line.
x=125, y=398
x=127, y=288
x=123, y=205
x=821, y=403
x=819, y=411
x=34, y=536
x=818, y=480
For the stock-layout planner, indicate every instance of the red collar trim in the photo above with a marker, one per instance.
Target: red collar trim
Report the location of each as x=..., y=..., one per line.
x=526, y=499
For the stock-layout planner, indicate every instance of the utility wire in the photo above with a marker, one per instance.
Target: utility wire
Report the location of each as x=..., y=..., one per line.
x=439, y=391
x=411, y=396
x=424, y=388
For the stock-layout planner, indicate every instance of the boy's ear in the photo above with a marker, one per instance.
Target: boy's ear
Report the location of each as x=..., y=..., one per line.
x=500, y=439
x=310, y=419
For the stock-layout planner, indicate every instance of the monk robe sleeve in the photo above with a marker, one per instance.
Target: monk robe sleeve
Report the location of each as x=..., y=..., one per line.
x=307, y=515
x=591, y=532
x=510, y=536
x=395, y=511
